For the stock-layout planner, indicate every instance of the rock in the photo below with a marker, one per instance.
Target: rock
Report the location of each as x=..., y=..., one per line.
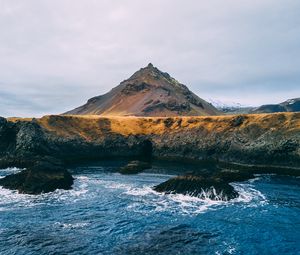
x=169, y=122
x=267, y=141
x=170, y=105
x=132, y=88
x=30, y=138
x=214, y=184
x=237, y=121
x=43, y=177
x=7, y=135
x=233, y=175
x=135, y=167
x=212, y=188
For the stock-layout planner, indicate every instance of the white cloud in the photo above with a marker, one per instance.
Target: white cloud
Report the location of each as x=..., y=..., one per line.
x=58, y=53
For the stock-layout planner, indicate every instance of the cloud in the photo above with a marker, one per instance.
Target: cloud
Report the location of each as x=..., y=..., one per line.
x=55, y=54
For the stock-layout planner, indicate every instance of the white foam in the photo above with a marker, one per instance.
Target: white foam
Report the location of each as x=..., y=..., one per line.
x=74, y=225
x=11, y=199
x=71, y=225
x=145, y=197
x=9, y=170
x=169, y=202
x=193, y=204
x=82, y=178
x=248, y=194
x=141, y=198
x=257, y=178
x=144, y=191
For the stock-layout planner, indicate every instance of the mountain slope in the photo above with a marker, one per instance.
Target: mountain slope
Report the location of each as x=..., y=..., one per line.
x=231, y=107
x=148, y=92
x=291, y=105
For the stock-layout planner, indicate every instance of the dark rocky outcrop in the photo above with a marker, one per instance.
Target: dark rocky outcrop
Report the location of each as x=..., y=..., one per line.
x=214, y=184
x=226, y=175
x=132, y=88
x=42, y=177
x=272, y=139
x=135, y=167
x=195, y=185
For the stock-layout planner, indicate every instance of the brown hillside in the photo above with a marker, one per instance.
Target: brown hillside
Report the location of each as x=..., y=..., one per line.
x=92, y=127
x=148, y=92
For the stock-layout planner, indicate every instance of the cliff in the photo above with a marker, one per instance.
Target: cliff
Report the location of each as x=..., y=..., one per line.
x=262, y=139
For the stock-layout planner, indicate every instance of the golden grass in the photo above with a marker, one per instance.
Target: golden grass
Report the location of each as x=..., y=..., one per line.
x=15, y=119
x=91, y=127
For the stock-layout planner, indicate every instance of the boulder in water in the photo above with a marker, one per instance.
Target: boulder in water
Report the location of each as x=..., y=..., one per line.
x=135, y=167
x=43, y=177
x=227, y=175
x=196, y=185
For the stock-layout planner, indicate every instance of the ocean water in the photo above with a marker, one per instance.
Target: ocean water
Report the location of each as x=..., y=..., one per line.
x=108, y=213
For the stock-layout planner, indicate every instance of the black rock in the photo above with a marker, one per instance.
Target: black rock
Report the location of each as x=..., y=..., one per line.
x=135, y=167
x=43, y=177
x=212, y=188
x=238, y=121
x=233, y=175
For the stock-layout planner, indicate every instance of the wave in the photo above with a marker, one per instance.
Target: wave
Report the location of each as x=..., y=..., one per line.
x=11, y=199
x=140, y=197
x=247, y=193
x=71, y=225
x=171, y=202
x=189, y=204
x=9, y=170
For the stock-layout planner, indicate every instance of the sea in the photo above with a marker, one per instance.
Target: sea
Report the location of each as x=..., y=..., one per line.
x=110, y=213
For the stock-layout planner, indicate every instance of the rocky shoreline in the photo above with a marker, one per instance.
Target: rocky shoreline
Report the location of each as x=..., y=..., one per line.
x=251, y=144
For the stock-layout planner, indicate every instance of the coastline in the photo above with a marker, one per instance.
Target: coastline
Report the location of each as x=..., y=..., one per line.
x=260, y=140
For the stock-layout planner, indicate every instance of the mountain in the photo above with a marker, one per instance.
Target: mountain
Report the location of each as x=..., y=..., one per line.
x=148, y=92
x=230, y=108
x=291, y=105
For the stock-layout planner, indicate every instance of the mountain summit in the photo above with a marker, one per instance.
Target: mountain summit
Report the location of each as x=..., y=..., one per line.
x=148, y=92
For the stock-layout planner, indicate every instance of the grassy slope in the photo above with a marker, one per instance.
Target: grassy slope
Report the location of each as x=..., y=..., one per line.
x=92, y=126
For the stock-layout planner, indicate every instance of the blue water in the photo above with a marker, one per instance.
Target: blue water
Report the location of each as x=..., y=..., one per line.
x=107, y=213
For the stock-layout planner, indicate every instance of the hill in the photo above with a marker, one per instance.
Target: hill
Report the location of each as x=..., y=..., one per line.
x=148, y=92
x=291, y=105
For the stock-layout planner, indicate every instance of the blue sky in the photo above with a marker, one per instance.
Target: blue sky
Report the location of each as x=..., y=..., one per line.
x=55, y=54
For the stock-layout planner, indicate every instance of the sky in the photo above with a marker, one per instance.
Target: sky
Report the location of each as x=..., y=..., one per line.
x=56, y=54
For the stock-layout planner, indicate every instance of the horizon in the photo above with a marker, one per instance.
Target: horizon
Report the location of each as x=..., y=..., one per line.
x=55, y=55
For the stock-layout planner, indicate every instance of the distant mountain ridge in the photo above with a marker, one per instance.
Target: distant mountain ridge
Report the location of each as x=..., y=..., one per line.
x=148, y=92
x=230, y=108
x=290, y=105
